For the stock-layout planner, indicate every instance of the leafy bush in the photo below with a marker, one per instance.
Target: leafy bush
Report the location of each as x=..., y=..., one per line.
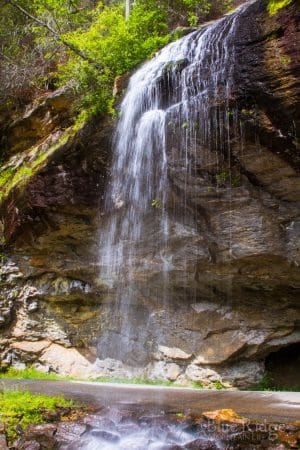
x=29, y=51
x=267, y=384
x=90, y=41
x=116, y=46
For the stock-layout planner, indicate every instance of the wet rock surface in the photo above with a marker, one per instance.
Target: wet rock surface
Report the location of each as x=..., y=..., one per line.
x=235, y=251
x=114, y=429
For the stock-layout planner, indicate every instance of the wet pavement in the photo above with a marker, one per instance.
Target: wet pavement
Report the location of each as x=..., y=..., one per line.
x=270, y=406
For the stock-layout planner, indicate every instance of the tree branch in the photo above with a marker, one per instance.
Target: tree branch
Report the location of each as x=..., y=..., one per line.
x=30, y=16
x=56, y=34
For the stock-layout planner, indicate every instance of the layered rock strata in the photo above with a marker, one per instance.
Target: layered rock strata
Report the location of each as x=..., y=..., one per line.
x=235, y=281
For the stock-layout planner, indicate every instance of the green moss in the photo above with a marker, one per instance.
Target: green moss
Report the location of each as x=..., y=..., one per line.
x=12, y=177
x=5, y=175
x=21, y=175
x=275, y=5
x=18, y=408
x=285, y=61
x=17, y=177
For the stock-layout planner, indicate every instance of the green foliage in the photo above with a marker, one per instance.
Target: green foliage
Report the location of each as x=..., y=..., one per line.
x=141, y=381
x=285, y=60
x=29, y=51
x=196, y=9
x=145, y=381
x=30, y=373
x=218, y=385
x=222, y=177
x=19, y=175
x=6, y=175
x=225, y=177
x=185, y=12
x=275, y=5
x=156, y=203
x=19, y=408
x=90, y=41
x=118, y=45
x=213, y=385
x=236, y=181
x=9, y=178
x=267, y=384
x=3, y=256
x=22, y=174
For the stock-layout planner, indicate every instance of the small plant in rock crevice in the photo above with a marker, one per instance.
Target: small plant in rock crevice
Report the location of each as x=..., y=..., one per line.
x=236, y=181
x=156, y=203
x=222, y=177
x=275, y=5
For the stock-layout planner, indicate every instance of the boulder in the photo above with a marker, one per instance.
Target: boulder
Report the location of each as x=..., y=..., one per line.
x=163, y=371
x=202, y=375
x=225, y=415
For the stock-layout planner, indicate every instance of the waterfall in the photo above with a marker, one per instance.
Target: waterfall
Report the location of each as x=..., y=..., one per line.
x=174, y=103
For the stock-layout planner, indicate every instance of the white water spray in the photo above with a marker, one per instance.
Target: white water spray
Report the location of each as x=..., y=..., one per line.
x=176, y=100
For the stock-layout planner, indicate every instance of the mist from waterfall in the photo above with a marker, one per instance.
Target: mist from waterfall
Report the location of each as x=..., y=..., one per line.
x=172, y=101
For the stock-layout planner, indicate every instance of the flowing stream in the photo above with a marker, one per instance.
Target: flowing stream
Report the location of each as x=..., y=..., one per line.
x=172, y=102
x=113, y=430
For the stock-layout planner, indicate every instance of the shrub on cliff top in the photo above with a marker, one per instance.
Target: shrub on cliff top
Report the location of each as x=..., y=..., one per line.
x=116, y=46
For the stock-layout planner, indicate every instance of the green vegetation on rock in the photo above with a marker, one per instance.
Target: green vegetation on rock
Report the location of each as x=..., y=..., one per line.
x=275, y=5
x=17, y=176
x=117, y=45
x=20, y=409
x=138, y=381
x=148, y=382
x=30, y=373
x=46, y=43
x=267, y=384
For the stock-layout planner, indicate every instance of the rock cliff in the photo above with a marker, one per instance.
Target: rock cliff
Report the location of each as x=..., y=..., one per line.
x=235, y=278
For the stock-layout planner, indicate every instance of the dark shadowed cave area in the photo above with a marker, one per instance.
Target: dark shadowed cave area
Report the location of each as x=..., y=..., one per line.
x=283, y=367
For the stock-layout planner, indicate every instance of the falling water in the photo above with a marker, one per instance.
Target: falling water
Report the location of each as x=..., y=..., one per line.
x=174, y=105
x=112, y=429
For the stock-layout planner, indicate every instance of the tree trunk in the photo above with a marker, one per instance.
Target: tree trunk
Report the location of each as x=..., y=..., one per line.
x=128, y=5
